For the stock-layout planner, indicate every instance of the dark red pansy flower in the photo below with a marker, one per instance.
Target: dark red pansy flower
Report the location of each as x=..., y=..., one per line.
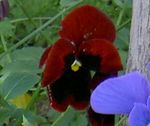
x=4, y=8
x=85, y=44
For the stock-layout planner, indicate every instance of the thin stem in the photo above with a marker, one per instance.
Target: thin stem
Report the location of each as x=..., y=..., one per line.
x=4, y=43
x=26, y=19
x=61, y=116
x=121, y=120
x=124, y=24
x=30, y=19
x=34, y=97
x=38, y=30
x=121, y=14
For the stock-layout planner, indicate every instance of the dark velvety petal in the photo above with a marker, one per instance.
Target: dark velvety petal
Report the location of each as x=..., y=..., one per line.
x=118, y=95
x=139, y=116
x=98, y=78
x=44, y=57
x=55, y=64
x=71, y=89
x=100, y=119
x=109, y=60
x=4, y=8
x=85, y=23
x=59, y=104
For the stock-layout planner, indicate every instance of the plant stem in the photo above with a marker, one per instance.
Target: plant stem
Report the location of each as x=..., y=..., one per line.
x=26, y=19
x=121, y=120
x=5, y=47
x=38, y=30
x=124, y=24
x=121, y=14
x=34, y=97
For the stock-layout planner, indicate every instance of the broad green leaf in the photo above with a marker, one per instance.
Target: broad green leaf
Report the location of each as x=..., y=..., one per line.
x=30, y=66
x=18, y=83
x=27, y=54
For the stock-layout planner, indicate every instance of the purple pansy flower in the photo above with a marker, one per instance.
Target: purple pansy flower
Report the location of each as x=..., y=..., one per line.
x=128, y=94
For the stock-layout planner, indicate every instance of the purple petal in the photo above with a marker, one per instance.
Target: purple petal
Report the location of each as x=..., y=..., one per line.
x=139, y=116
x=118, y=95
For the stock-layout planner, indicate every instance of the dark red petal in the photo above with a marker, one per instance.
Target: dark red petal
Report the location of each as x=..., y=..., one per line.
x=98, y=78
x=110, y=61
x=55, y=64
x=100, y=119
x=54, y=103
x=44, y=56
x=80, y=89
x=80, y=105
x=87, y=22
x=72, y=88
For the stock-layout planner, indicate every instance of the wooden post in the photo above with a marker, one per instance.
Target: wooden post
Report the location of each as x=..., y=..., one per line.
x=139, y=49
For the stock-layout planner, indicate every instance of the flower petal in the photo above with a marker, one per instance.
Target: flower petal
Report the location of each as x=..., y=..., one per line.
x=87, y=22
x=109, y=60
x=118, y=95
x=55, y=65
x=72, y=88
x=139, y=116
x=44, y=56
x=100, y=119
x=59, y=104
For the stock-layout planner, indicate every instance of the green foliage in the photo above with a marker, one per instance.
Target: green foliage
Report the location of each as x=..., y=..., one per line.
x=31, y=26
x=18, y=83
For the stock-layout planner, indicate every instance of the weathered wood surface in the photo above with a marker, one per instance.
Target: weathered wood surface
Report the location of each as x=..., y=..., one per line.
x=139, y=50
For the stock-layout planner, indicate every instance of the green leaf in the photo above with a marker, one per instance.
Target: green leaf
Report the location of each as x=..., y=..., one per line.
x=26, y=122
x=81, y=120
x=18, y=83
x=30, y=66
x=24, y=54
x=123, y=55
x=33, y=118
x=6, y=28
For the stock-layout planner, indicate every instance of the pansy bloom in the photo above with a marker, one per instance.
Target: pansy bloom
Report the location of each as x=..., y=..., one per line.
x=4, y=8
x=85, y=44
x=128, y=94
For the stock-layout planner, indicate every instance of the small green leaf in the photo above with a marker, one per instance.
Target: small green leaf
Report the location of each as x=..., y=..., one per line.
x=33, y=118
x=6, y=28
x=26, y=122
x=81, y=120
x=18, y=83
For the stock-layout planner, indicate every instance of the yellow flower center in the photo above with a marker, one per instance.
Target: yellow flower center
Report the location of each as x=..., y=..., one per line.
x=76, y=65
